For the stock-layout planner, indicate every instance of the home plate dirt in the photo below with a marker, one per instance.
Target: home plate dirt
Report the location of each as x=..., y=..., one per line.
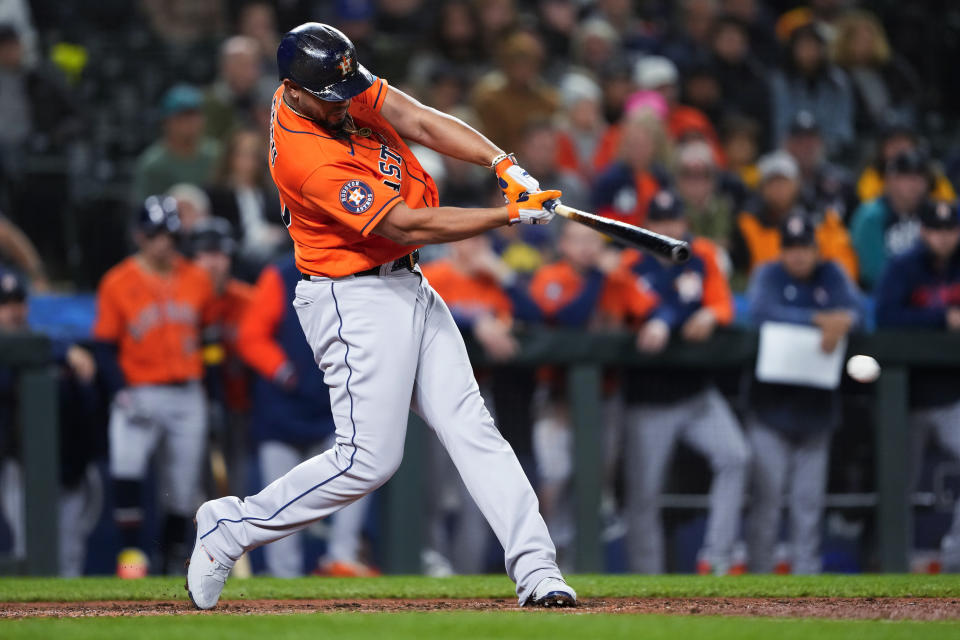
x=840, y=608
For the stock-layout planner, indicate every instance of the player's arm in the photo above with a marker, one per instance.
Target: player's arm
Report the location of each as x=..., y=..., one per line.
x=434, y=225
x=436, y=130
x=453, y=137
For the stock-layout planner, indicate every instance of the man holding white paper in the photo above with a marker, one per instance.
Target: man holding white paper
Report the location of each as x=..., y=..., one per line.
x=789, y=423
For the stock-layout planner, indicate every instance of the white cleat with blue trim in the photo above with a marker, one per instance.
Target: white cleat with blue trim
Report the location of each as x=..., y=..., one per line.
x=552, y=592
x=206, y=576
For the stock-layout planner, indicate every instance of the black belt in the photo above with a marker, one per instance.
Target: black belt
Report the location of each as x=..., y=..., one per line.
x=407, y=262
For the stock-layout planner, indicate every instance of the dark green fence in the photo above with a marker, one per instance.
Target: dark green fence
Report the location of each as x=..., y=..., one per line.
x=586, y=355
x=29, y=354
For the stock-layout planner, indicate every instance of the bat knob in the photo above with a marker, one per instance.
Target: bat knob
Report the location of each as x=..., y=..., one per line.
x=680, y=252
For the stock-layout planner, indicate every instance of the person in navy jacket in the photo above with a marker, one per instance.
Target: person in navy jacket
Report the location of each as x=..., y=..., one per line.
x=665, y=406
x=291, y=418
x=789, y=426
x=920, y=289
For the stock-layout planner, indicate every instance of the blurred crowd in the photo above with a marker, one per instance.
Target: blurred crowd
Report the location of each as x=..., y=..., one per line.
x=808, y=153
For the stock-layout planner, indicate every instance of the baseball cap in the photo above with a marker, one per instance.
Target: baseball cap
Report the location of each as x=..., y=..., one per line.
x=181, y=98
x=797, y=231
x=13, y=288
x=803, y=123
x=651, y=72
x=910, y=161
x=159, y=214
x=939, y=215
x=213, y=235
x=665, y=205
x=778, y=164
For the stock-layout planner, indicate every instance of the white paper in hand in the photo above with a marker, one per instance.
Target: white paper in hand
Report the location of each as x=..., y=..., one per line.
x=791, y=354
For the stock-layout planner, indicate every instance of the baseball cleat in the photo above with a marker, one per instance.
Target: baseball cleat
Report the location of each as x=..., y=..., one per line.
x=206, y=576
x=552, y=592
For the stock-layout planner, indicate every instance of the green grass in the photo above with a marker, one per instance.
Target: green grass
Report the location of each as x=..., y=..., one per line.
x=587, y=586
x=473, y=626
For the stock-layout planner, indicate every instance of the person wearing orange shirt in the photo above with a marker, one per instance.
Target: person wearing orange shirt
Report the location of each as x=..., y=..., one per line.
x=358, y=205
x=665, y=406
x=150, y=311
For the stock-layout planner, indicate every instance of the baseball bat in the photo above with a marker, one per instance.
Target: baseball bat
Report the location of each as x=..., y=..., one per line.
x=676, y=250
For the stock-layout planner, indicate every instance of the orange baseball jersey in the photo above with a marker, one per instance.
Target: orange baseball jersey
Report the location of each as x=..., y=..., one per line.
x=334, y=190
x=570, y=298
x=468, y=295
x=154, y=320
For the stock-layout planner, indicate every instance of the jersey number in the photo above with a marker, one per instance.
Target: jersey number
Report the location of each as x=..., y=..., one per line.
x=390, y=167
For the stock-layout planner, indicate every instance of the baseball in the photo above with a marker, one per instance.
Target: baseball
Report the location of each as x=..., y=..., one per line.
x=863, y=368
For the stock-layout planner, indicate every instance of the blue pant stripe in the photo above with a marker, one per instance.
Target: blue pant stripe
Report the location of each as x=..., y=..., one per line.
x=352, y=438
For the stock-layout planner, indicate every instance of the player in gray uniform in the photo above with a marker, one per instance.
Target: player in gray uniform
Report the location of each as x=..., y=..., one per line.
x=920, y=289
x=664, y=407
x=789, y=426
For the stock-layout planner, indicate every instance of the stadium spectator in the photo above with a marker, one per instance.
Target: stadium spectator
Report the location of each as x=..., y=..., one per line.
x=759, y=23
x=240, y=96
x=823, y=184
x=741, y=146
x=193, y=206
x=623, y=190
x=757, y=233
x=807, y=81
x=665, y=406
x=710, y=195
x=150, y=311
x=244, y=194
x=539, y=153
x=80, y=486
x=182, y=154
x=596, y=46
x=290, y=418
x=920, y=290
x=890, y=225
x=557, y=23
x=894, y=139
x=688, y=38
x=885, y=87
x=508, y=99
x=581, y=123
x=790, y=426
x=739, y=71
x=258, y=20
x=656, y=73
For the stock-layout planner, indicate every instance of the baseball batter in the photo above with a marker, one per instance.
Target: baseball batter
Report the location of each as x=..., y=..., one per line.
x=358, y=204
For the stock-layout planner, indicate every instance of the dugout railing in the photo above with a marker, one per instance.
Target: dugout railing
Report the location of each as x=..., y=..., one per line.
x=37, y=437
x=585, y=356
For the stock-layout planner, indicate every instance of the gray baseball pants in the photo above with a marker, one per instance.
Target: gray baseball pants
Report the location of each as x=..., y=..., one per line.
x=705, y=423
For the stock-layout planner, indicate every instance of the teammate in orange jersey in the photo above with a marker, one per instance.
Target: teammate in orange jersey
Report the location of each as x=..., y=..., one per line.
x=358, y=204
x=150, y=309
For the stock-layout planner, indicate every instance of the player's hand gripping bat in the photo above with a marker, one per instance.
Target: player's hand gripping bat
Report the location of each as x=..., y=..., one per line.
x=676, y=250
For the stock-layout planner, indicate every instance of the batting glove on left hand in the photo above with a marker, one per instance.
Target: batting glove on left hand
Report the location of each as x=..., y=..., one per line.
x=528, y=207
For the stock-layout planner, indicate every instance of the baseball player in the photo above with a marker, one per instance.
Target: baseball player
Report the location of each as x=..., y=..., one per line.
x=358, y=204
x=150, y=311
x=81, y=489
x=790, y=426
x=291, y=417
x=920, y=289
x=666, y=406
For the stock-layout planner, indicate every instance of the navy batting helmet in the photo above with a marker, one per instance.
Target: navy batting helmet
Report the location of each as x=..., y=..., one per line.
x=323, y=61
x=159, y=214
x=212, y=235
x=13, y=287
